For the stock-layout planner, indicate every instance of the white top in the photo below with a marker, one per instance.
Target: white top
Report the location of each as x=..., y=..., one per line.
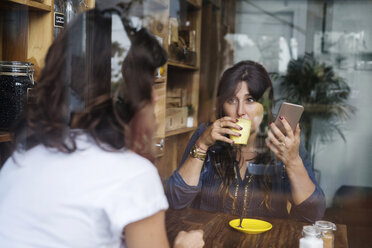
x=83, y=199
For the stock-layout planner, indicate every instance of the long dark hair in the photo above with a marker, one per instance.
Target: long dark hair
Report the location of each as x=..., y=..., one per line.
x=224, y=155
x=112, y=119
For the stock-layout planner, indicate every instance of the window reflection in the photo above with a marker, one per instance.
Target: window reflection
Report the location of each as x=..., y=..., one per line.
x=320, y=56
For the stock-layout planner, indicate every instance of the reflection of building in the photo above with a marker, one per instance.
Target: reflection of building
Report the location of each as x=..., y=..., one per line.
x=122, y=44
x=284, y=55
x=268, y=24
x=346, y=49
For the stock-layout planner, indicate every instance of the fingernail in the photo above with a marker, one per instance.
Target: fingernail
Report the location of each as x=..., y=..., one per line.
x=241, y=128
x=236, y=120
x=280, y=117
x=240, y=134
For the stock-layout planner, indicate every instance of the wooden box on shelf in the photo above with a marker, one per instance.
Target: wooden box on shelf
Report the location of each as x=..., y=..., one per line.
x=176, y=98
x=176, y=118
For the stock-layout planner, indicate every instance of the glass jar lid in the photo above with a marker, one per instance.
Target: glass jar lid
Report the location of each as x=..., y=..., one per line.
x=14, y=67
x=325, y=225
x=311, y=231
x=17, y=69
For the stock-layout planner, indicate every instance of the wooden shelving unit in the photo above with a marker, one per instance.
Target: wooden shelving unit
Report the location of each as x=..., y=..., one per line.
x=179, y=131
x=26, y=31
x=160, y=80
x=181, y=65
x=33, y=34
x=33, y=5
x=177, y=75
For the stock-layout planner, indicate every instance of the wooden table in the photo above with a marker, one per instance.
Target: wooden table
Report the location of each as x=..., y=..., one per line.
x=218, y=233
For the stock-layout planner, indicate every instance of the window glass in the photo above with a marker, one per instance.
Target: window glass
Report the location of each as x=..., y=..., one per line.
x=334, y=38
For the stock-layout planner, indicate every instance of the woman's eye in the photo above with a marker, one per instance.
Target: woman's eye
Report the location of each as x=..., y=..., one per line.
x=249, y=99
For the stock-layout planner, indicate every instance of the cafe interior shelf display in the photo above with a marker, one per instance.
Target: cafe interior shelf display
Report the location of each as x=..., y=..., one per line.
x=176, y=24
x=178, y=27
x=22, y=23
x=26, y=33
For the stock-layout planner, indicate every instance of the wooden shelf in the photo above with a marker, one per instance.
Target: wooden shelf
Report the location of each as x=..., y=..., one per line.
x=180, y=65
x=179, y=131
x=32, y=4
x=160, y=80
x=5, y=137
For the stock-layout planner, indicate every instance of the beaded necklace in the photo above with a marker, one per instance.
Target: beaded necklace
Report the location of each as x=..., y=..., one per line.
x=245, y=193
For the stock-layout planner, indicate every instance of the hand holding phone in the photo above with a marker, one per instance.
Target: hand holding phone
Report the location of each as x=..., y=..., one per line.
x=291, y=112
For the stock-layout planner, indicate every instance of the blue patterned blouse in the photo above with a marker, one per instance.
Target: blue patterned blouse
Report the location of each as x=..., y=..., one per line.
x=205, y=195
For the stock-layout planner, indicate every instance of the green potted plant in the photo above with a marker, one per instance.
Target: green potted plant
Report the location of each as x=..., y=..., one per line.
x=322, y=93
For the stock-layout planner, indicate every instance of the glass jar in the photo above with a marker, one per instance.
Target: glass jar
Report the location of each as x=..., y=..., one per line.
x=311, y=237
x=326, y=229
x=16, y=78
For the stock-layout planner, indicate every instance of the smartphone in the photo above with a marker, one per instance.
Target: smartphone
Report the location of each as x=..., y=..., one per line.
x=291, y=112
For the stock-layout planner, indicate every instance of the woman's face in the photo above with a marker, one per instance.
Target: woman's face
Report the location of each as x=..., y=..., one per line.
x=242, y=105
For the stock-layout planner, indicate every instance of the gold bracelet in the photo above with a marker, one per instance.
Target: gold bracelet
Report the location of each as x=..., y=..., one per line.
x=197, y=153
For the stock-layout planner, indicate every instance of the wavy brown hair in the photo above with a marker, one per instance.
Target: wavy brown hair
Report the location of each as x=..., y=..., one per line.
x=259, y=86
x=83, y=72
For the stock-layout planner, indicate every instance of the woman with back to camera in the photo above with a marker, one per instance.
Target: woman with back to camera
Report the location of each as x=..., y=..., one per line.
x=216, y=175
x=90, y=187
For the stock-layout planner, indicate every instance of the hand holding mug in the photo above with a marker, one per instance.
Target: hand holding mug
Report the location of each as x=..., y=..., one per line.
x=218, y=130
x=245, y=124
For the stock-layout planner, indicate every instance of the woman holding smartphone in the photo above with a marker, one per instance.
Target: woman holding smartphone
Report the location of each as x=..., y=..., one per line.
x=94, y=186
x=270, y=176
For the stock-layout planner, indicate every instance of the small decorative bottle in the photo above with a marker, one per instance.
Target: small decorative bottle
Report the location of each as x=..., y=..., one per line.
x=311, y=237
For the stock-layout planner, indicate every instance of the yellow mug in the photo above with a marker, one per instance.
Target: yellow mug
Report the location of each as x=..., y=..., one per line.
x=245, y=132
